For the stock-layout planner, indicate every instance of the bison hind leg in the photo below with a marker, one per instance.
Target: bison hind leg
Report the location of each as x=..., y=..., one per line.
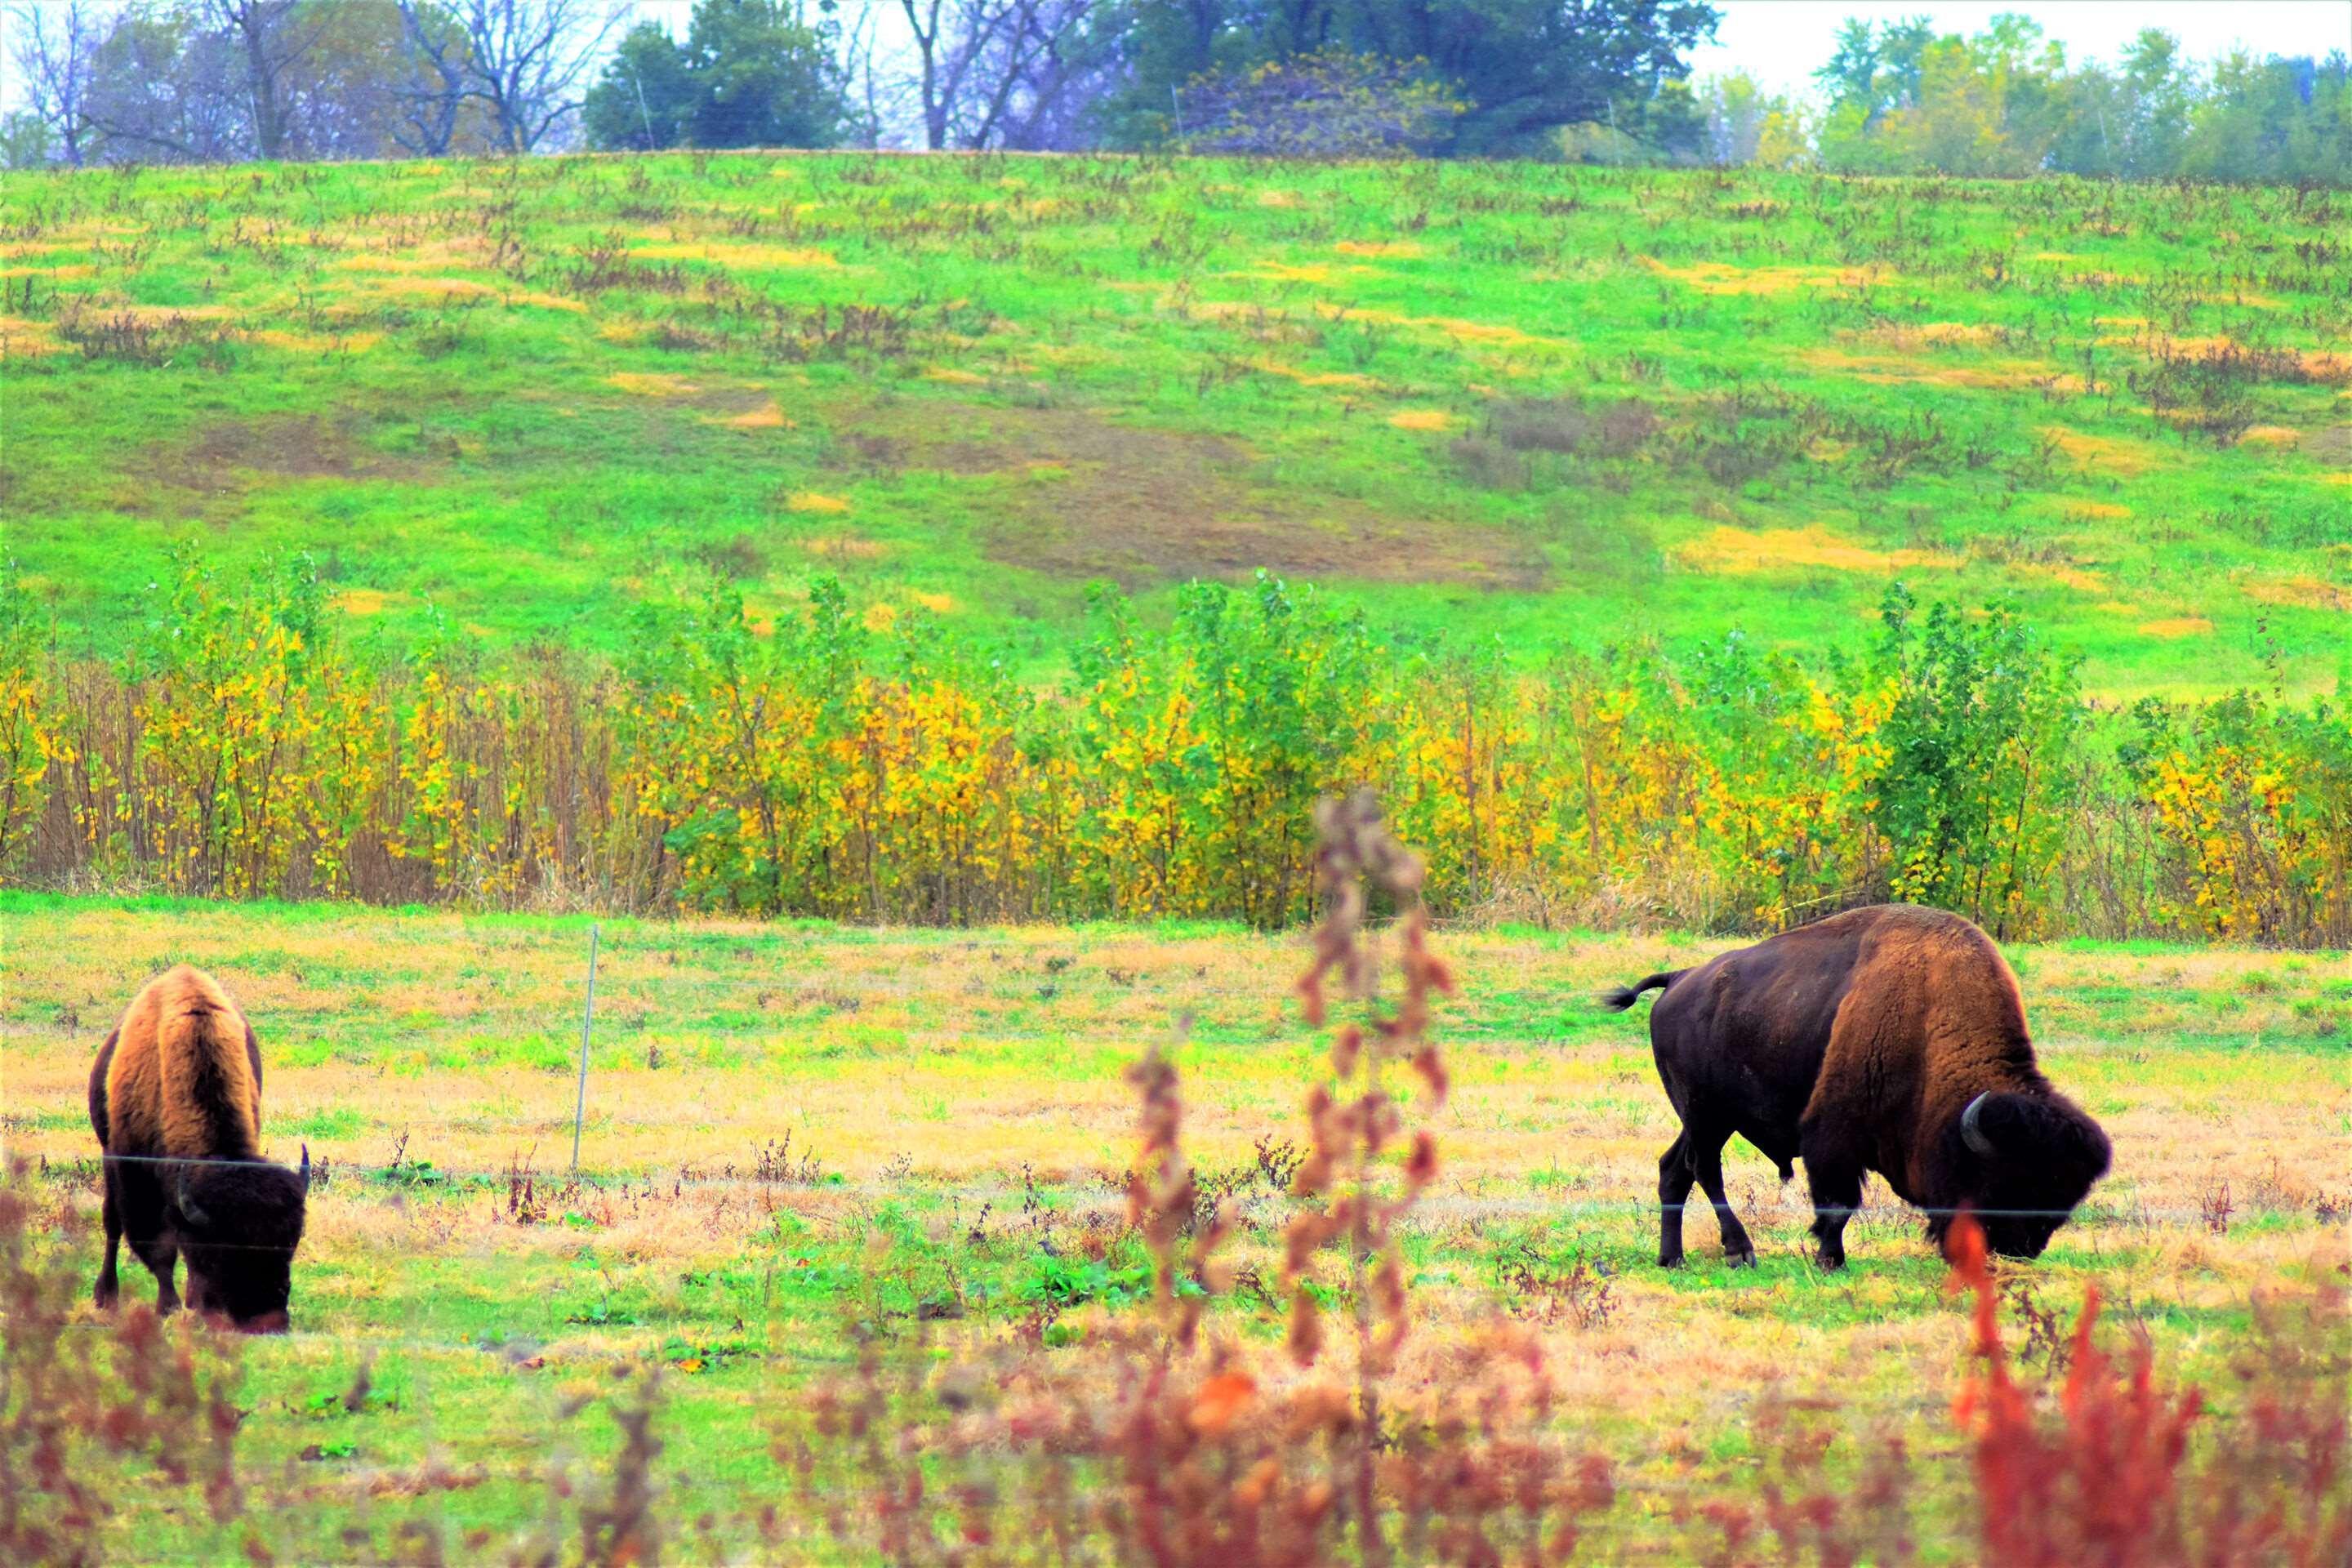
x=1675, y=1176
x=1706, y=1156
x=109, y=1283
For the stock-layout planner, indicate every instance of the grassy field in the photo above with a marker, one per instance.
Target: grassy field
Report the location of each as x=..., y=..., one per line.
x=1549, y=403
x=796, y=1126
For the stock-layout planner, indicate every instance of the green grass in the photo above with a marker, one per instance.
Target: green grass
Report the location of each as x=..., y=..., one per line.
x=1152, y=371
x=970, y=1136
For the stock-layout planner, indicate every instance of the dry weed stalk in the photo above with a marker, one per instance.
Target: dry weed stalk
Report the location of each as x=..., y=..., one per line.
x=1163, y=1442
x=86, y=1417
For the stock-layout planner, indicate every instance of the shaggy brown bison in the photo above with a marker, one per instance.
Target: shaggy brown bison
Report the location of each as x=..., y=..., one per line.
x=1889, y=1039
x=175, y=1100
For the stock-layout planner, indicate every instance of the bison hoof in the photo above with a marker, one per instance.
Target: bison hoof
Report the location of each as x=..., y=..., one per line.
x=1674, y=1262
x=1745, y=1258
x=1826, y=1261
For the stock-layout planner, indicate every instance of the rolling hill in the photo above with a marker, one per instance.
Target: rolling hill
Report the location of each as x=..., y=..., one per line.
x=1548, y=403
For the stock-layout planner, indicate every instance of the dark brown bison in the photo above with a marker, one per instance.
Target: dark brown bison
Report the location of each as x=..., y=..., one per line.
x=1889, y=1039
x=175, y=1100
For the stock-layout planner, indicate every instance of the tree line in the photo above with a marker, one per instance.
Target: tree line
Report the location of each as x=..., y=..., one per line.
x=110, y=81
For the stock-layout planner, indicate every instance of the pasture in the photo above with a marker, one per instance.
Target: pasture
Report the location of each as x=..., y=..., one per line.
x=520, y=402
x=797, y=1127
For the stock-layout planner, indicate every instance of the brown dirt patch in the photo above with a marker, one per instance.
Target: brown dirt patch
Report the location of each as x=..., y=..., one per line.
x=1078, y=496
x=2330, y=444
x=231, y=456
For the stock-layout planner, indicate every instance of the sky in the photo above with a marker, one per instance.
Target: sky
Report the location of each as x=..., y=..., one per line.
x=1781, y=42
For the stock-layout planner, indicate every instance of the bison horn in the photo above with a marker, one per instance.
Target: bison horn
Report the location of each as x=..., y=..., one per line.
x=189, y=1208
x=305, y=1171
x=1972, y=1132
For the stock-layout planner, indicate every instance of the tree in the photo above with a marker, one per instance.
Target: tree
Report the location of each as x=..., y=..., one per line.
x=765, y=77
x=347, y=97
x=526, y=57
x=643, y=101
x=271, y=38
x=52, y=46
x=25, y=141
x=165, y=87
x=749, y=74
x=993, y=73
x=2276, y=118
x=1329, y=104
x=1524, y=67
x=433, y=87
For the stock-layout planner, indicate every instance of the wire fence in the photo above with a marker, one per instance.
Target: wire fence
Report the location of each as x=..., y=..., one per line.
x=1434, y=1211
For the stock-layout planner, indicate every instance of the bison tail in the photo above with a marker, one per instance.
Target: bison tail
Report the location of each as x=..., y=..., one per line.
x=1617, y=1001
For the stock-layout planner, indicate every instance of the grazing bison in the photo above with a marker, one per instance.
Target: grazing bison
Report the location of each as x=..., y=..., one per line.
x=175, y=1099
x=1889, y=1039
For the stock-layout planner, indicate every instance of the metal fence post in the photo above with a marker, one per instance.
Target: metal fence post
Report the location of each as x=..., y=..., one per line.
x=587, y=1019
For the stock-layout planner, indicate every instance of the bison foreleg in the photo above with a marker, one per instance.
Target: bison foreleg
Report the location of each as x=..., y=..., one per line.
x=1674, y=1174
x=1835, y=1179
x=139, y=1192
x=1706, y=1154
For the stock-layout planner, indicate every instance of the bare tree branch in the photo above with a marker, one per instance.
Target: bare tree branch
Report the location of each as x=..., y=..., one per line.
x=274, y=36
x=527, y=59
x=436, y=43
x=52, y=46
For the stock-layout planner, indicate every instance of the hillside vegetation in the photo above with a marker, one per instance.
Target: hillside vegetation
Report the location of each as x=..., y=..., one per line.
x=516, y=402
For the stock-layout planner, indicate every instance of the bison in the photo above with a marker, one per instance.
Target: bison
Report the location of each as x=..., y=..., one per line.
x=1890, y=1039
x=175, y=1100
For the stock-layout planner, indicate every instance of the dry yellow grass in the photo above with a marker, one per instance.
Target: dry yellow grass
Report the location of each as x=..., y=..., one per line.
x=768, y=416
x=738, y=253
x=2103, y=454
x=1734, y=551
x=1721, y=278
x=810, y=500
x=652, y=384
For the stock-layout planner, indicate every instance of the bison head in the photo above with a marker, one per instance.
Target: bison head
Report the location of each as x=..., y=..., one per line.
x=238, y=1224
x=2020, y=1163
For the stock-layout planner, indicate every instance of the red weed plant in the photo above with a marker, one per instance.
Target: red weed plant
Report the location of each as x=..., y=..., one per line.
x=1165, y=1441
x=2111, y=1481
x=89, y=1411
